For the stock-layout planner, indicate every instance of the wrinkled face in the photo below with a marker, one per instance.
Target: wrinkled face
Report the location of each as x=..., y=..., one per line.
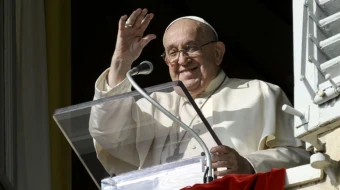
x=196, y=72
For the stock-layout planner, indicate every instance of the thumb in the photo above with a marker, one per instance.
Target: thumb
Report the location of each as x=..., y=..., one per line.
x=146, y=39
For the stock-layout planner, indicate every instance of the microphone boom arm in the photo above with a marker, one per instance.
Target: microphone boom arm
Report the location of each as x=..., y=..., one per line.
x=129, y=75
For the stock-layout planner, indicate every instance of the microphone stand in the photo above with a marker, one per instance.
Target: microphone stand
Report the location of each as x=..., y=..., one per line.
x=209, y=176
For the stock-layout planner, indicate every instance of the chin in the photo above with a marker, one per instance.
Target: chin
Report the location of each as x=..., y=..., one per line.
x=192, y=86
x=195, y=92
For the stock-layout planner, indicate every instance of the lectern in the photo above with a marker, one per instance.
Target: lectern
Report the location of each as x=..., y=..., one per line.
x=117, y=167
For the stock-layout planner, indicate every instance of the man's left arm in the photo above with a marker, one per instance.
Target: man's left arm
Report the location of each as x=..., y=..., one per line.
x=278, y=147
x=280, y=157
x=260, y=161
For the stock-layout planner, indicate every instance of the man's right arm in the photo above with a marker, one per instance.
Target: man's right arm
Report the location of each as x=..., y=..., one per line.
x=113, y=124
x=110, y=124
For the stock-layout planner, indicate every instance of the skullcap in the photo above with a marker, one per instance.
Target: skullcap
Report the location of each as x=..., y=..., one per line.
x=199, y=19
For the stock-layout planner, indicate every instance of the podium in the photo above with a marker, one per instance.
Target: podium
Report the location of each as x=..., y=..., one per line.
x=175, y=175
x=114, y=136
x=116, y=158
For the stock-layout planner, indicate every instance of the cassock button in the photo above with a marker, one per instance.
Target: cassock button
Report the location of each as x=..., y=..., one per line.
x=193, y=147
x=200, y=102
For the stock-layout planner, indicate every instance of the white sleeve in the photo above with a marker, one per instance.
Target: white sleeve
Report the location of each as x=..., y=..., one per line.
x=279, y=157
x=113, y=127
x=102, y=89
x=278, y=147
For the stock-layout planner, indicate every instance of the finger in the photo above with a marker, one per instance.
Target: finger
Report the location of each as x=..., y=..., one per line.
x=146, y=39
x=146, y=21
x=220, y=157
x=221, y=149
x=140, y=18
x=132, y=19
x=222, y=164
x=223, y=172
x=122, y=20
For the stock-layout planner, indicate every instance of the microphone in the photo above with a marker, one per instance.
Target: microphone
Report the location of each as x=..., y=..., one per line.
x=144, y=68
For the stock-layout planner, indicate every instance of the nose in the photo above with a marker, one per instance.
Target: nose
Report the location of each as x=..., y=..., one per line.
x=183, y=59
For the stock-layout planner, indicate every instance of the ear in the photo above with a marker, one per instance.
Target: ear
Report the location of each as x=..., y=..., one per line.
x=166, y=61
x=219, y=52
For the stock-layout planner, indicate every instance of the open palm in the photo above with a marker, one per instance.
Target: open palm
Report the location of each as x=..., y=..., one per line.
x=130, y=38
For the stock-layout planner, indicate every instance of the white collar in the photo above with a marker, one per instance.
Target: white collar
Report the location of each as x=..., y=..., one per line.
x=215, y=83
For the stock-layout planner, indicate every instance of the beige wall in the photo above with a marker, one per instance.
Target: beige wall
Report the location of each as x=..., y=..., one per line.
x=333, y=150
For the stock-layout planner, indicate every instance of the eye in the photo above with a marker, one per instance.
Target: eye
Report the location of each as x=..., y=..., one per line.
x=192, y=49
x=172, y=53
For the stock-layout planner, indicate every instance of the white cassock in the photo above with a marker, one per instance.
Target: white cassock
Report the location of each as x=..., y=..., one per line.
x=245, y=114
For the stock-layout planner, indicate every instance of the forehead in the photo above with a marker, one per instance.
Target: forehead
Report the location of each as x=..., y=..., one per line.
x=182, y=32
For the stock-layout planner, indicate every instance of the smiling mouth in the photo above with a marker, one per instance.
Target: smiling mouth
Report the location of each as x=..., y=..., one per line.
x=186, y=70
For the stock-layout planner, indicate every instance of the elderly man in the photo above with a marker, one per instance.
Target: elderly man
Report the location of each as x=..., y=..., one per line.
x=245, y=114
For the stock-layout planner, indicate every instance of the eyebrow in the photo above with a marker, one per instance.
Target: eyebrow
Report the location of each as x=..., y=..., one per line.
x=191, y=42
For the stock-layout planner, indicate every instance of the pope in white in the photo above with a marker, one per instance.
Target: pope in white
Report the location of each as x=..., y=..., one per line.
x=245, y=114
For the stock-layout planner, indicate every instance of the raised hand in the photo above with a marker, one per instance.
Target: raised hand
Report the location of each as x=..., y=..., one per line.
x=130, y=43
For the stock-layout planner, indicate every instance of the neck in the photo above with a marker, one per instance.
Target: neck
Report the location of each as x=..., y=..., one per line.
x=198, y=94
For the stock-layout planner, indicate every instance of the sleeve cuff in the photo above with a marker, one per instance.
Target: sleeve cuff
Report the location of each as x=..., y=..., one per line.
x=252, y=165
x=102, y=88
x=256, y=163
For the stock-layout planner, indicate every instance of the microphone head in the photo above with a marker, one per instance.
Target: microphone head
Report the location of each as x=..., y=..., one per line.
x=145, y=68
